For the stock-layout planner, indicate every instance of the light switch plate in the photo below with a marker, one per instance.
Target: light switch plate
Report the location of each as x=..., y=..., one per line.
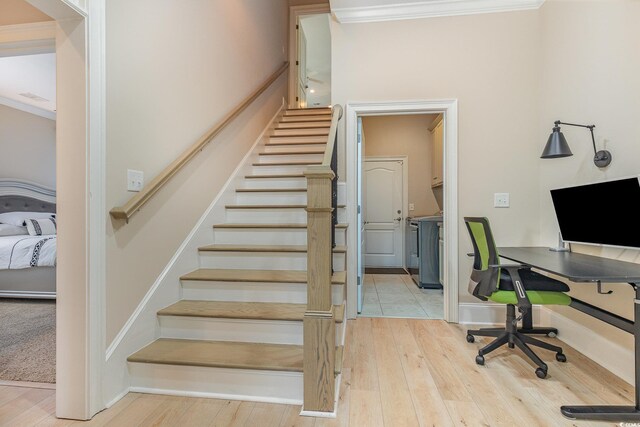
x=412, y=207
x=135, y=180
x=501, y=200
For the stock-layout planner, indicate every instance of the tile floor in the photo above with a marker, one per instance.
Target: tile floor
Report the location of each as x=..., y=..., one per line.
x=395, y=295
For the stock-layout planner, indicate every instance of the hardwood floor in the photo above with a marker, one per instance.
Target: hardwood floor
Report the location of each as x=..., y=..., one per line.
x=397, y=372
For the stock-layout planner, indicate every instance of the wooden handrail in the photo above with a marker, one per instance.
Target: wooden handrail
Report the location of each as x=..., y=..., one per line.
x=140, y=199
x=336, y=115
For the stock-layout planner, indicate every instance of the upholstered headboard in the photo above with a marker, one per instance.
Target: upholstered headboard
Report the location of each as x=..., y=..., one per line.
x=24, y=196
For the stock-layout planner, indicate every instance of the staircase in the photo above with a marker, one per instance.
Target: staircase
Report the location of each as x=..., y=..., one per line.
x=237, y=332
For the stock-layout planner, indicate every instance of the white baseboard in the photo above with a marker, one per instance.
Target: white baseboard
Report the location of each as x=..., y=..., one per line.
x=617, y=359
x=489, y=314
x=220, y=396
x=610, y=355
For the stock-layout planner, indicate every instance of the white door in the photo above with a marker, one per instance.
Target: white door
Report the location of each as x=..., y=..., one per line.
x=361, y=233
x=383, y=213
x=302, y=69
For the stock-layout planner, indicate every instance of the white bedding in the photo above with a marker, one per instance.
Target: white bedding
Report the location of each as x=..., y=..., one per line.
x=17, y=252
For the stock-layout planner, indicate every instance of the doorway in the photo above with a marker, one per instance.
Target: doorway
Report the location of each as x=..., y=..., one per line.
x=310, y=54
x=357, y=136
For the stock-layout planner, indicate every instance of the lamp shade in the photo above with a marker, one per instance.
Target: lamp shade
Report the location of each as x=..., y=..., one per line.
x=556, y=146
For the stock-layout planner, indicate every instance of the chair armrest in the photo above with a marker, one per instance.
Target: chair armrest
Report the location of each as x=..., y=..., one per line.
x=524, y=305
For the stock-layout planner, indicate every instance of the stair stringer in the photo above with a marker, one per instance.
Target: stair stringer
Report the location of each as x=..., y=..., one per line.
x=143, y=326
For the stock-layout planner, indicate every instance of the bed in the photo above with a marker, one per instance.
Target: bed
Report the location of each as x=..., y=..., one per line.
x=27, y=263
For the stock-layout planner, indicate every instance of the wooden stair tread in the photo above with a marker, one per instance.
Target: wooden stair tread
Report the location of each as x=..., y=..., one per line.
x=290, y=153
x=284, y=144
x=266, y=276
x=271, y=206
x=264, y=248
x=271, y=190
x=293, y=175
x=240, y=310
x=301, y=163
x=259, y=225
x=221, y=354
x=308, y=112
x=304, y=125
x=298, y=135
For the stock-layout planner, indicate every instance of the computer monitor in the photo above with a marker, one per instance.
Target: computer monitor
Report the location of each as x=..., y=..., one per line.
x=605, y=213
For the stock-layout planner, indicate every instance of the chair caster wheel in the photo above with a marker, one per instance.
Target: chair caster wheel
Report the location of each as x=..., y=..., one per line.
x=552, y=335
x=480, y=360
x=561, y=357
x=470, y=338
x=541, y=373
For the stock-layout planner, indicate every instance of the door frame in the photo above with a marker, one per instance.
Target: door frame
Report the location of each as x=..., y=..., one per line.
x=405, y=191
x=81, y=276
x=295, y=12
x=449, y=108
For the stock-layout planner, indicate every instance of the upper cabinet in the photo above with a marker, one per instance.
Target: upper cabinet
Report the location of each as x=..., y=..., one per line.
x=437, y=169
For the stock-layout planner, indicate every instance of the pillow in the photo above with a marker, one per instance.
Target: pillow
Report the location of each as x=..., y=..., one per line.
x=12, y=230
x=19, y=218
x=41, y=227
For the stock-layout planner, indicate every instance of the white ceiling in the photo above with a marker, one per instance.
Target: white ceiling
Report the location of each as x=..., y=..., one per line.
x=31, y=75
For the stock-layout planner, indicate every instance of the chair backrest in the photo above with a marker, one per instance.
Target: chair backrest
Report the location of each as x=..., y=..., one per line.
x=484, y=279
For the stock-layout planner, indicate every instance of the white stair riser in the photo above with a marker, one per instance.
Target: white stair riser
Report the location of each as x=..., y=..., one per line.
x=266, y=169
x=263, y=260
x=257, y=236
x=275, y=183
x=278, y=158
x=235, y=384
x=290, y=119
x=298, y=140
x=273, y=216
x=308, y=112
x=304, y=124
x=293, y=148
x=272, y=198
x=294, y=293
x=300, y=132
x=238, y=330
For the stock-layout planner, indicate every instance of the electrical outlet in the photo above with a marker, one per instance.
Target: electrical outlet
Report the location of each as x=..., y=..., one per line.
x=412, y=207
x=501, y=200
x=135, y=180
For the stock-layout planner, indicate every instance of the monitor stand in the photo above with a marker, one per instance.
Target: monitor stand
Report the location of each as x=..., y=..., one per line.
x=560, y=247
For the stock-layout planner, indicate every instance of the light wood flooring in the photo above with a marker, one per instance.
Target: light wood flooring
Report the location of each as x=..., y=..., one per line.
x=397, y=372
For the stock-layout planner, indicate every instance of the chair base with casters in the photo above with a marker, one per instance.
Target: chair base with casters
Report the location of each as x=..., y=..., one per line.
x=513, y=337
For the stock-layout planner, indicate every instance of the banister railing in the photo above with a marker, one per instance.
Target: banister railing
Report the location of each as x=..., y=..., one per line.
x=319, y=318
x=136, y=202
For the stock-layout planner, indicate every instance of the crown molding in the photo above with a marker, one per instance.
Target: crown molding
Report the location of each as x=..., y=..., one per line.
x=17, y=105
x=430, y=9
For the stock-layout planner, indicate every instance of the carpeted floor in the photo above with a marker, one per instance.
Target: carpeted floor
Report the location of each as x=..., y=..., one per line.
x=28, y=340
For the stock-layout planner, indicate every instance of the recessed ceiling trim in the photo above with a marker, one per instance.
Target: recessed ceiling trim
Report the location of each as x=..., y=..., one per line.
x=430, y=9
x=51, y=115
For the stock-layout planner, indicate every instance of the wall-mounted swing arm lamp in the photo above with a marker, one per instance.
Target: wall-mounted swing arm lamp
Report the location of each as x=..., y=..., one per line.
x=557, y=146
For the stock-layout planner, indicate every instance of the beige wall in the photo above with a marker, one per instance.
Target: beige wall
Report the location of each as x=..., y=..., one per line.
x=27, y=147
x=490, y=63
x=405, y=136
x=171, y=75
x=593, y=48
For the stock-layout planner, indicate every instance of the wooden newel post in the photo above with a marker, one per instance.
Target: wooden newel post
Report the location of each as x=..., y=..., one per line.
x=319, y=321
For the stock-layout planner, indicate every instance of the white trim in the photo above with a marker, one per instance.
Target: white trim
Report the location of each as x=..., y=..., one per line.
x=31, y=109
x=405, y=192
x=484, y=313
x=221, y=396
x=117, y=398
x=140, y=308
x=430, y=9
x=295, y=12
x=19, y=187
x=450, y=109
x=618, y=359
x=318, y=414
x=96, y=203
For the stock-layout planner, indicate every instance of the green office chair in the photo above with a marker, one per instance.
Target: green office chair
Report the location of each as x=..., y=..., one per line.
x=516, y=286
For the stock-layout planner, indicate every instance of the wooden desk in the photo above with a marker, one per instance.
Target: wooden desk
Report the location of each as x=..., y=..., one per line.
x=586, y=268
